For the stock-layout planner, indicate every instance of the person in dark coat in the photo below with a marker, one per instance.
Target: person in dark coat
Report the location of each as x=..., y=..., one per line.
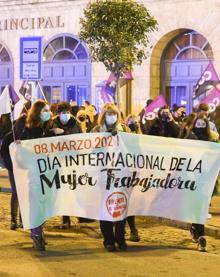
x=18, y=126
x=66, y=122
x=164, y=125
x=197, y=127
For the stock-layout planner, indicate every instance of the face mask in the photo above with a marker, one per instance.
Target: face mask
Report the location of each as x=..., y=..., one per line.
x=200, y=123
x=81, y=118
x=132, y=126
x=45, y=116
x=110, y=119
x=165, y=116
x=65, y=117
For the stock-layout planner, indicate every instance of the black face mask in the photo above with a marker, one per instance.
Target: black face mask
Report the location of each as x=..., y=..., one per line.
x=165, y=117
x=133, y=127
x=82, y=118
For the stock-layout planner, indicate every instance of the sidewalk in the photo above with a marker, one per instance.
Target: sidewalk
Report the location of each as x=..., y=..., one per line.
x=212, y=228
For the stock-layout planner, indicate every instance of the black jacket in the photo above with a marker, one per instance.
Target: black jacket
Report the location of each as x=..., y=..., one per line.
x=72, y=126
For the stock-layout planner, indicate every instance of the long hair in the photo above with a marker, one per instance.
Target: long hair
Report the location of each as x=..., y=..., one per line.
x=33, y=117
x=109, y=107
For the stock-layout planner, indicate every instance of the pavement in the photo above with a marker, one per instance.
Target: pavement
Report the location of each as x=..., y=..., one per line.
x=212, y=228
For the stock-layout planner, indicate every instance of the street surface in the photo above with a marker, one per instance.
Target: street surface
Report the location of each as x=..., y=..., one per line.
x=162, y=251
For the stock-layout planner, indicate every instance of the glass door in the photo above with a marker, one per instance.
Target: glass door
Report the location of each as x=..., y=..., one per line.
x=53, y=93
x=179, y=94
x=76, y=93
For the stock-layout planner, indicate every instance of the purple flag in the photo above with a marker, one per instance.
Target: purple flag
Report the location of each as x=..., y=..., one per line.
x=152, y=110
x=208, y=77
x=108, y=90
x=13, y=95
x=213, y=99
x=107, y=94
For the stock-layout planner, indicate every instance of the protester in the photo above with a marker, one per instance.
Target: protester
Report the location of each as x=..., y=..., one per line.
x=179, y=114
x=164, y=125
x=69, y=125
x=110, y=121
x=197, y=127
x=141, y=114
x=186, y=129
x=133, y=123
x=203, y=111
x=38, y=125
x=84, y=121
x=14, y=134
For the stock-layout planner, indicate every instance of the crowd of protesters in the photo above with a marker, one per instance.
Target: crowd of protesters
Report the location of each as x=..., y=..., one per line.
x=40, y=120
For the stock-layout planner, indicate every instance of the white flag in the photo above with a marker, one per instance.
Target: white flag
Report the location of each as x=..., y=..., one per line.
x=5, y=101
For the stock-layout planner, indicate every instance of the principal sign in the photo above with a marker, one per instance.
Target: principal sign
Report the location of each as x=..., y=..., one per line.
x=31, y=58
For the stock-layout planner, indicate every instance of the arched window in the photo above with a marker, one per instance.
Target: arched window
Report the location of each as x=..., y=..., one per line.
x=65, y=48
x=188, y=46
x=66, y=70
x=4, y=55
x=182, y=63
x=6, y=67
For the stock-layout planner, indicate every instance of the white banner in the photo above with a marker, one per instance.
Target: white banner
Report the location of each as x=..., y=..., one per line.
x=107, y=177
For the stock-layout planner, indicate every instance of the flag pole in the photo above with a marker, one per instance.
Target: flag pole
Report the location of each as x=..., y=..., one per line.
x=12, y=119
x=41, y=90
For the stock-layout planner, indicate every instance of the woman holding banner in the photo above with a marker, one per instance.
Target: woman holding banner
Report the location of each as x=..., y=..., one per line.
x=66, y=122
x=109, y=121
x=197, y=127
x=38, y=125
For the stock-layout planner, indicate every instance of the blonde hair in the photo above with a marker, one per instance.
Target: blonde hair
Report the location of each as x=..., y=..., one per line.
x=106, y=108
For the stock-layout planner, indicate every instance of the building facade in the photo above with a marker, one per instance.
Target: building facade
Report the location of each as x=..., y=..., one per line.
x=187, y=38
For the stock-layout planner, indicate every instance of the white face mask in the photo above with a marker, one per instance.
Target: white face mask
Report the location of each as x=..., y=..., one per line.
x=65, y=117
x=200, y=123
x=45, y=116
x=110, y=119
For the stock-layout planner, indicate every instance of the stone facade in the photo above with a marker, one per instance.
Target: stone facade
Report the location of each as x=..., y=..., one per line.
x=173, y=17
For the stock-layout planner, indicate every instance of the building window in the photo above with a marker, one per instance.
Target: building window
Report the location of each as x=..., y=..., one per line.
x=4, y=56
x=65, y=48
x=189, y=46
